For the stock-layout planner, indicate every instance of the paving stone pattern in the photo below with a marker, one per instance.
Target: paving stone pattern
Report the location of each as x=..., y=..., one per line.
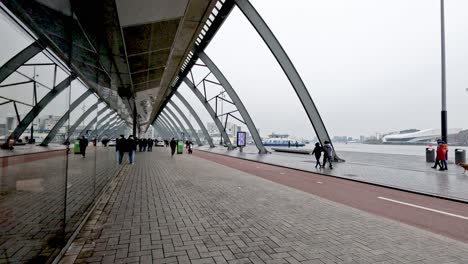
x=32, y=202
x=407, y=172
x=188, y=210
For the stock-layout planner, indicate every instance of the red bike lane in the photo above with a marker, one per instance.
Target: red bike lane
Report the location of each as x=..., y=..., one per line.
x=440, y=216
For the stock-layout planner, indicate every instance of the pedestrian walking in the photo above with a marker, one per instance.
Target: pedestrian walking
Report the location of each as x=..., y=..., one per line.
x=442, y=157
x=145, y=144
x=150, y=144
x=445, y=146
x=173, y=145
x=437, y=161
x=327, y=154
x=120, y=148
x=131, y=147
x=83, y=142
x=318, y=153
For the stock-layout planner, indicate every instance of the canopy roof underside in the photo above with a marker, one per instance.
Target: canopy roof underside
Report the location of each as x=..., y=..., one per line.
x=128, y=51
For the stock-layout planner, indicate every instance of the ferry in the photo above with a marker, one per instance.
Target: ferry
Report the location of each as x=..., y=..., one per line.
x=282, y=140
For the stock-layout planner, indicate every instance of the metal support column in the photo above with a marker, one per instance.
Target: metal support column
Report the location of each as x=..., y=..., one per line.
x=64, y=118
x=171, y=114
x=210, y=110
x=99, y=130
x=237, y=101
x=36, y=110
x=294, y=78
x=164, y=132
x=197, y=118
x=194, y=132
x=90, y=124
x=170, y=125
x=173, y=124
x=82, y=118
x=169, y=130
x=110, y=128
x=19, y=59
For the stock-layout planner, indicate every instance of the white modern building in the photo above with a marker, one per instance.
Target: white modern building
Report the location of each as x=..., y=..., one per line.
x=419, y=137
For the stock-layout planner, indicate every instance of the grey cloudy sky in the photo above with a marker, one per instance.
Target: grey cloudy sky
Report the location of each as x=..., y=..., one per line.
x=369, y=65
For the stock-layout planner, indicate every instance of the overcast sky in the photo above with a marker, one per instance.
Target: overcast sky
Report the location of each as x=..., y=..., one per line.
x=369, y=65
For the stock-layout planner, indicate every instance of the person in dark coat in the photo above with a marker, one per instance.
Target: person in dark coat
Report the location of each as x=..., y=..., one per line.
x=173, y=145
x=120, y=148
x=318, y=153
x=83, y=145
x=328, y=154
x=131, y=147
x=150, y=144
x=145, y=144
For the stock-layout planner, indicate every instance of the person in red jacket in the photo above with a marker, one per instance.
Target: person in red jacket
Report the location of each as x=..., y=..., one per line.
x=442, y=157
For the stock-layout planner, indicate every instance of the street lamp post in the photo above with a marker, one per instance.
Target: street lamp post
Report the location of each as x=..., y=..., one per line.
x=444, y=94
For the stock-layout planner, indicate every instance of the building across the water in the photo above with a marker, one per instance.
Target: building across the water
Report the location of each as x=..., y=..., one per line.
x=419, y=137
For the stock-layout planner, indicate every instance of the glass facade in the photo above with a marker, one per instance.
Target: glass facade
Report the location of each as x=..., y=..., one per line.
x=47, y=185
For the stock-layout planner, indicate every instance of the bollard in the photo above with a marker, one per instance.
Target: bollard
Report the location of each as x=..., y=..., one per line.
x=460, y=156
x=430, y=155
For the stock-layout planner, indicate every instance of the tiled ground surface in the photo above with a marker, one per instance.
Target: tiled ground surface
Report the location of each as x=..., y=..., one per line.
x=406, y=172
x=189, y=210
x=32, y=200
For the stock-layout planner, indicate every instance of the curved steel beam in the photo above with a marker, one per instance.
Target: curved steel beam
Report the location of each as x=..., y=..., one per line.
x=162, y=130
x=36, y=110
x=237, y=101
x=197, y=118
x=90, y=124
x=171, y=125
x=171, y=114
x=115, y=132
x=83, y=117
x=110, y=128
x=19, y=59
x=169, y=129
x=109, y=123
x=182, y=132
x=194, y=132
x=288, y=68
x=109, y=117
x=210, y=110
x=64, y=118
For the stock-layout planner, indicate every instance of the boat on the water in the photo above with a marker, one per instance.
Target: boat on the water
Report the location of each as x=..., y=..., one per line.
x=282, y=140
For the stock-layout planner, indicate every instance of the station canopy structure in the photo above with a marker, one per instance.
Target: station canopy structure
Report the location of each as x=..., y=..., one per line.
x=128, y=51
x=134, y=54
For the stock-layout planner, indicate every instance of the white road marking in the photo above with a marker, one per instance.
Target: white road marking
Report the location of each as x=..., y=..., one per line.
x=282, y=173
x=319, y=182
x=424, y=208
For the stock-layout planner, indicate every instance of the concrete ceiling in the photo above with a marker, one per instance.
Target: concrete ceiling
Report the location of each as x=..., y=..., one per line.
x=134, y=47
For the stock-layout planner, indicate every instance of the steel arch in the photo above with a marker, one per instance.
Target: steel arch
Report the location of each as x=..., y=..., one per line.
x=162, y=129
x=83, y=117
x=111, y=113
x=197, y=118
x=111, y=121
x=88, y=126
x=194, y=132
x=236, y=100
x=19, y=59
x=212, y=113
x=288, y=68
x=168, y=128
x=171, y=115
x=34, y=112
x=171, y=125
x=179, y=130
x=64, y=118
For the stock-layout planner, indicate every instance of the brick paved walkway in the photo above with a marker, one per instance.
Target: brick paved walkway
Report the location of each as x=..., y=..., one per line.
x=406, y=172
x=189, y=210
